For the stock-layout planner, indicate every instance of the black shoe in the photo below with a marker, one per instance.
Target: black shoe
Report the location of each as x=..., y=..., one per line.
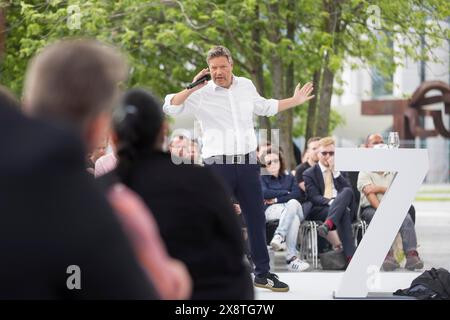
x=270, y=281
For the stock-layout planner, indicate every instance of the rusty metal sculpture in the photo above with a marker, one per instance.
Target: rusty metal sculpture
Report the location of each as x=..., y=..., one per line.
x=407, y=112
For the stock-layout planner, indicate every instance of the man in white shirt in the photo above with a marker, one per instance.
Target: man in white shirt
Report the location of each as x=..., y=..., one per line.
x=225, y=107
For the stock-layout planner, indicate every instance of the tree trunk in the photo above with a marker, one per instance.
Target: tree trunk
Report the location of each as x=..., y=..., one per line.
x=323, y=116
x=332, y=27
x=258, y=72
x=312, y=109
x=285, y=119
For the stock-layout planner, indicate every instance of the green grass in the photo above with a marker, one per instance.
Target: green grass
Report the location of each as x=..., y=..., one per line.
x=434, y=191
x=437, y=199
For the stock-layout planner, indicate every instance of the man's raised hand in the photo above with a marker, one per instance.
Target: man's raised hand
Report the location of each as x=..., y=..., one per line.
x=303, y=94
x=202, y=73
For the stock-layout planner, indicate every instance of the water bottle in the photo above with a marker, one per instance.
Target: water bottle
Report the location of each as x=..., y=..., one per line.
x=393, y=140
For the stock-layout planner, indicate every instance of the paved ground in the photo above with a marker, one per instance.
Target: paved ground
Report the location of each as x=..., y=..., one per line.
x=433, y=233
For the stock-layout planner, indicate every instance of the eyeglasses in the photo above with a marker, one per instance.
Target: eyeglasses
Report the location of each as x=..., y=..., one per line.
x=325, y=153
x=273, y=161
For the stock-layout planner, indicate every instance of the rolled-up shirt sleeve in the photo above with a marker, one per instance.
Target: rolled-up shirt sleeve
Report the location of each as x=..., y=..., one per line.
x=263, y=106
x=363, y=180
x=189, y=104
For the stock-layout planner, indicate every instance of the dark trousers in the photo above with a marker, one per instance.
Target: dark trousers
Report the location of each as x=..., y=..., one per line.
x=341, y=214
x=243, y=181
x=407, y=230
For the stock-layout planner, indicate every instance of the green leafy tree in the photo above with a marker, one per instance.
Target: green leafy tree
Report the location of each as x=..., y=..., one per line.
x=275, y=43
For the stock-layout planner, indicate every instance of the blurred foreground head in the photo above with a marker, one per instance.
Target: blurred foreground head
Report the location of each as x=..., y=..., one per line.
x=75, y=82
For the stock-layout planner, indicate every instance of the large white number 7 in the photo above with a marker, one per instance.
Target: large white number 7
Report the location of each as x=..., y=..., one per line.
x=411, y=166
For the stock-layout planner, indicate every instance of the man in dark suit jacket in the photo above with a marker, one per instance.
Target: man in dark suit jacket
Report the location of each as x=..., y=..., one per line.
x=53, y=217
x=332, y=197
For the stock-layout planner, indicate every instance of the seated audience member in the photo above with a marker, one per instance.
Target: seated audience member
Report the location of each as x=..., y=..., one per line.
x=280, y=192
x=264, y=146
x=179, y=147
x=376, y=141
x=373, y=186
x=106, y=163
x=98, y=152
x=332, y=197
x=53, y=219
x=193, y=211
x=73, y=83
x=184, y=149
x=311, y=159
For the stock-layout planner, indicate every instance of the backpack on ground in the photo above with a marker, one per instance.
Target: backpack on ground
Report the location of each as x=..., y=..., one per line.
x=433, y=284
x=333, y=260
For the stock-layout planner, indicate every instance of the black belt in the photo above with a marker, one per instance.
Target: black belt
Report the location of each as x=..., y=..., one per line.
x=249, y=158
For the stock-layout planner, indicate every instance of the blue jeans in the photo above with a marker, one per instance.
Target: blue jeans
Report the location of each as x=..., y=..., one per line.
x=290, y=215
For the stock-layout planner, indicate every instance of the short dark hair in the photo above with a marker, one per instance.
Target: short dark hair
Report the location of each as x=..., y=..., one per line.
x=280, y=155
x=219, y=51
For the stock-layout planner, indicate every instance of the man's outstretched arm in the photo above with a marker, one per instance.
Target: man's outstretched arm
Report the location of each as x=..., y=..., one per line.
x=301, y=95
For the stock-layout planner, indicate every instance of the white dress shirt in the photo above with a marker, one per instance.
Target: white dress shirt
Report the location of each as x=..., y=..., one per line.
x=225, y=115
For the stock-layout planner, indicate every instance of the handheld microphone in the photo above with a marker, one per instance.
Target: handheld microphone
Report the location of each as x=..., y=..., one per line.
x=206, y=77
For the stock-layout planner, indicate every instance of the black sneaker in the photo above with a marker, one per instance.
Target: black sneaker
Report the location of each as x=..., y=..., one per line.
x=270, y=281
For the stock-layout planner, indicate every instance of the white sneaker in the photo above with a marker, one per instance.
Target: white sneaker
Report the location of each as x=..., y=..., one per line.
x=297, y=265
x=276, y=242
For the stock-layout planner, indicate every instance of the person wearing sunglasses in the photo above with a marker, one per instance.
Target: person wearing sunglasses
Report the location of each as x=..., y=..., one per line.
x=332, y=197
x=281, y=194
